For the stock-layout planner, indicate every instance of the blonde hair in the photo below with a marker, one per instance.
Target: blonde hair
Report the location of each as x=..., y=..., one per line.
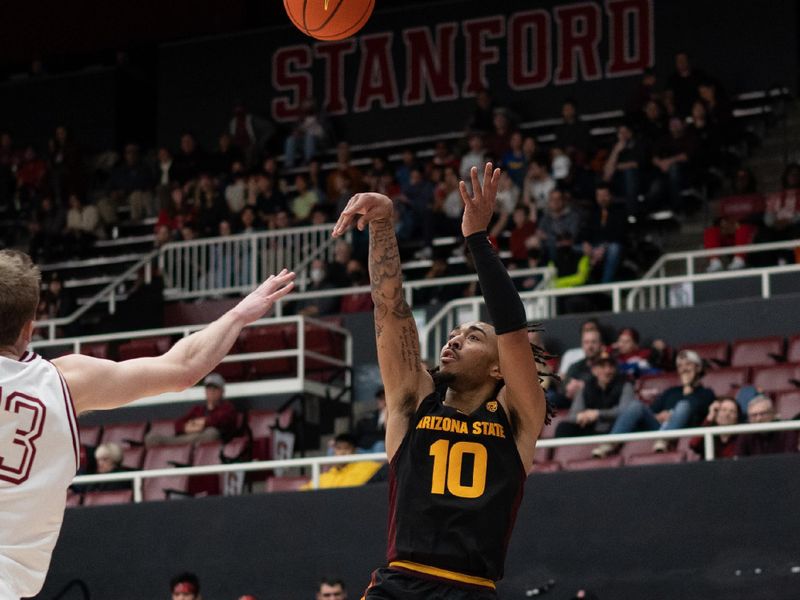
x=20, y=284
x=109, y=450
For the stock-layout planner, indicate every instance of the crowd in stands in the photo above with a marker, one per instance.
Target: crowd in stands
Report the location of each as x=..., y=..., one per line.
x=575, y=203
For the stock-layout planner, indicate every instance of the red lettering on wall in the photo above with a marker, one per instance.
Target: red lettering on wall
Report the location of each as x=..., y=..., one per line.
x=529, y=63
x=288, y=76
x=631, y=47
x=476, y=32
x=333, y=53
x=430, y=66
x=578, y=39
x=377, y=80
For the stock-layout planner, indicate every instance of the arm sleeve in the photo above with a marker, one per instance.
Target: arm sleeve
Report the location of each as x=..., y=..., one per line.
x=578, y=278
x=578, y=405
x=626, y=397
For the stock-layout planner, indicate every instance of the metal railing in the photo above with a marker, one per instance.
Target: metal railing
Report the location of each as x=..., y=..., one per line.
x=316, y=463
x=236, y=264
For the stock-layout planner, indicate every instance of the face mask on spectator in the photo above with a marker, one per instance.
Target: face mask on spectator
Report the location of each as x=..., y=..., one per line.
x=317, y=275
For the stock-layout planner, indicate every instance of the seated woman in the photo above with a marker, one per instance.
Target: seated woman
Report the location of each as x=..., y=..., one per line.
x=721, y=412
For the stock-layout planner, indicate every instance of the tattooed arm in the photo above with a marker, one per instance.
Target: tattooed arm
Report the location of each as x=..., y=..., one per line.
x=405, y=379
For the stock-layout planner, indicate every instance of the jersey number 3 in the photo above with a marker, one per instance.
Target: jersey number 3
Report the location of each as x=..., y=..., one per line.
x=22, y=416
x=448, y=463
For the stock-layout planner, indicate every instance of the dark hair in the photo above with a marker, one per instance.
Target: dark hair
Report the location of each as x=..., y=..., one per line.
x=347, y=438
x=739, y=413
x=631, y=332
x=185, y=577
x=331, y=581
x=603, y=185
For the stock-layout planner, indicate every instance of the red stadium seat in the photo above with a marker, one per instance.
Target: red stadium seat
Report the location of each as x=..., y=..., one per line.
x=163, y=457
x=286, y=483
x=207, y=453
x=787, y=404
x=132, y=457
x=261, y=423
x=713, y=353
x=542, y=455
x=757, y=352
x=775, y=379
x=609, y=462
x=726, y=382
x=103, y=498
x=125, y=434
x=649, y=387
x=141, y=347
x=90, y=435
x=550, y=429
x=549, y=466
x=73, y=499
x=97, y=350
x=683, y=446
x=656, y=458
x=564, y=454
x=638, y=447
x=268, y=339
x=793, y=350
x=162, y=427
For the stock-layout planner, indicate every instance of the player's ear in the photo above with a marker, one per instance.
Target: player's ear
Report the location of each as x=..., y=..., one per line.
x=494, y=371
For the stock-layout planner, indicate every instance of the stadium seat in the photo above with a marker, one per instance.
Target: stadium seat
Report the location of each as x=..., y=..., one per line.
x=132, y=457
x=649, y=387
x=261, y=423
x=757, y=352
x=656, y=458
x=775, y=379
x=97, y=350
x=207, y=453
x=793, y=350
x=73, y=499
x=268, y=339
x=141, y=347
x=787, y=404
x=549, y=466
x=164, y=457
x=726, y=382
x=90, y=435
x=550, y=429
x=103, y=498
x=609, y=462
x=712, y=353
x=636, y=447
x=286, y=483
x=565, y=454
x=162, y=427
x=542, y=455
x=125, y=434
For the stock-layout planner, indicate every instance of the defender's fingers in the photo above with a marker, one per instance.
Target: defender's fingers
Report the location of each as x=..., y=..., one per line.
x=496, y=177
x=462, y=187
x=280, y=293
x=476, y=185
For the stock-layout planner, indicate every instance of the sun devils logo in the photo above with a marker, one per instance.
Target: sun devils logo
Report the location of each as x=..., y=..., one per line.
x=491, y=406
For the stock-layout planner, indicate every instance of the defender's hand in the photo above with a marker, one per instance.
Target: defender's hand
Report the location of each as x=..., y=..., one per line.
x=478, y=208
x=371, y=206
x=261, y=299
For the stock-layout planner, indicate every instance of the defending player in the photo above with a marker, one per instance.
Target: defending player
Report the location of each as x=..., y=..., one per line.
x=460, y=443
x=39, y=401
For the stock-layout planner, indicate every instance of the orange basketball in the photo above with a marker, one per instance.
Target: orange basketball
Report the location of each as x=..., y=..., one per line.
x=329, y=19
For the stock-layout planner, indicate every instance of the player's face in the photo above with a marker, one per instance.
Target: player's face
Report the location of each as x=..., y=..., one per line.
x=471, y=349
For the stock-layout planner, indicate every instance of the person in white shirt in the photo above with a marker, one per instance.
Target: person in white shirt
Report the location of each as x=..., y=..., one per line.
x=538, y=184
x=40, y=401
x=573, y=355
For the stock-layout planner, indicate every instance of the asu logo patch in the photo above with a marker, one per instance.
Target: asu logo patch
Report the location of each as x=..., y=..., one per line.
x=491, y=406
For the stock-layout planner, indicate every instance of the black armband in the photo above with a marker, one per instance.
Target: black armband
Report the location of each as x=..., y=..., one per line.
x=502, y=299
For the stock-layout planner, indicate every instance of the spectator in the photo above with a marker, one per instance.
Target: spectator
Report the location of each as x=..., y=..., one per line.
x=573, y=355
x=599, y=402
x=672, y=156
x=318, y=307
x=315, y=180
x=572, y=135
x=727, y=232
x=718, y=110
x=677, y=407
x=605, y=233
x=264, y=198
x=634, y=360
x=82, y=227
x=580, y=371
x=353, y=178
x=211, y=210
x=572, y=267
x=337, y=270
x=653, y=124
x=781, y=217
x=402, y=174
x=305, y=200
x=419, y=195
x=45, y=230
x=66, y=164
x=249, y=133
x=448, y=205
x=347, y=474
x=498, y=141
x=213, y=420
x=188, y=162
x=31, y=174
x=357, y=301
x=308, y=131
x=133, y=181
x=331, y=588
x=236, y=189
x=514, y=161
x=538, y=184
x=219, y=163
x=559, y=222
x=371, y=428
x=708, y=140
x=524, y=229
x=441, y=294
x=443, y=157
x=60, y=302
x=684, y=83
x=722, y=412
x=108, y=458
x=476, y=157
x=185, y=586
x=507, y=195
x=529, y=149
x=482, y=119
x=177, y=213
x=644, y=91
x=164, y=169
x=761, y=410
x=624, y=168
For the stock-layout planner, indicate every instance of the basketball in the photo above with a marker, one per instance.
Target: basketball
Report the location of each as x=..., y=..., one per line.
x=329, y=19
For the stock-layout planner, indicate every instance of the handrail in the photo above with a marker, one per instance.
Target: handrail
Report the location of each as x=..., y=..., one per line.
x=109, y=292
x=315, y=463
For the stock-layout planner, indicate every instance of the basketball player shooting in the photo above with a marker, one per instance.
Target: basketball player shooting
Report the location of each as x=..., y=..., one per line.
x=461, y=442
x=39, y=401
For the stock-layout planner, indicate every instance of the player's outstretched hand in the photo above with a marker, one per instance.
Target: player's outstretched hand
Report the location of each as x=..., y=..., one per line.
x=479, y=207
x=371, y=206
x=260, y=300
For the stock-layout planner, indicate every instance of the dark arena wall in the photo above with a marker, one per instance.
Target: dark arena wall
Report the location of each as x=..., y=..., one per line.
x=728, y=529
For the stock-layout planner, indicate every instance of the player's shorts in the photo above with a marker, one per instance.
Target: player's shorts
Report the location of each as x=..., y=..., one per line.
x=391, y=584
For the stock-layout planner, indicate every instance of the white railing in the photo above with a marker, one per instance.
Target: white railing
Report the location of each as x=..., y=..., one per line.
x=110, y=294
x=237, y=389
x=409, y=287
x=316, y=463
x=236, y=264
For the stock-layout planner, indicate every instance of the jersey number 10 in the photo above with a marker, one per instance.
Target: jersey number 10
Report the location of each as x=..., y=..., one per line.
x=448, y=464
x=18, y=450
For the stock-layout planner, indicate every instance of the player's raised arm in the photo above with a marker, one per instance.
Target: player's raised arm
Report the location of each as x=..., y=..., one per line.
x=405, y=379
x=101, y=384
x=522, y=393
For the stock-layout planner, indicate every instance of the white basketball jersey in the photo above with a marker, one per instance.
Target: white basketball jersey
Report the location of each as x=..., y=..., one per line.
x=39, y=452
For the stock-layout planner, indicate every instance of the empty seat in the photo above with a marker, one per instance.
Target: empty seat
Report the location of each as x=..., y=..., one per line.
x=325, y=342
x=609, y=462
x=656, y=458
x=101, y=498
x=550, y=429
x=286, y=483
x=787, y=404
x=757, y=352
x=775, y=379
x=73, y=499
x=564, y=454
x=97, y=350
x=90, y=435
x=141, y=347
x=163, y=457
x=132, y=457
x=125, y=434
x=726, y=382
x=207, y=453
x=713, y=353
x=162, y=427
x=793, y=350
x=649, y=387
x=268, y=339
x=261, y=423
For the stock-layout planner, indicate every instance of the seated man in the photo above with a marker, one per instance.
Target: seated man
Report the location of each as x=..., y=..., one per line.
x=677, y=407
x=185, y=586
x=214, y=420
x=331, y=588
x=347, y=474
x=580, y=371
x=371, y=428
x=761, y=410
x=604, y=395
